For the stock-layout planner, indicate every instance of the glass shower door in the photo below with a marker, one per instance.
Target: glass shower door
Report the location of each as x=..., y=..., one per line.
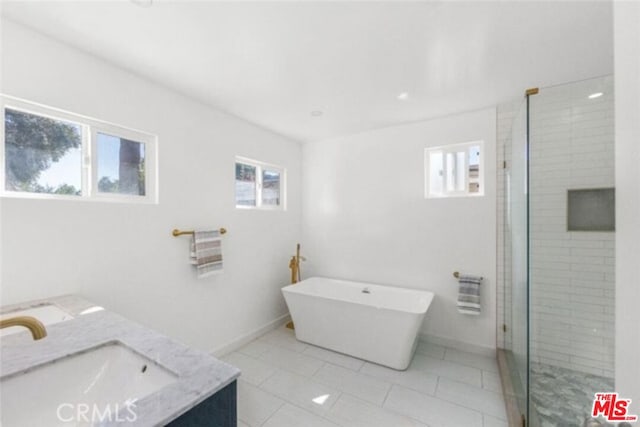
x=559, y=253
x=516, y=249
x=572, y=250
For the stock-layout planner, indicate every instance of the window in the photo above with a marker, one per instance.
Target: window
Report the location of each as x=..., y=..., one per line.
x=48, y=153
x=454, y=170
x=121, y=165
x=259, y=185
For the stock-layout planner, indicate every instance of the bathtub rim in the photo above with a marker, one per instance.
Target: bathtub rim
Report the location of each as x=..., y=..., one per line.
x=291, y=289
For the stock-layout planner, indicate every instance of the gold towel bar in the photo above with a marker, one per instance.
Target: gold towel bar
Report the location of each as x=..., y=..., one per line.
x=177, y=232
x=456, y=274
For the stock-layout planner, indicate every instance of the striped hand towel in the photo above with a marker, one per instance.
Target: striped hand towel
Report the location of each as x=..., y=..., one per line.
x=469, y=294
x=206, y=252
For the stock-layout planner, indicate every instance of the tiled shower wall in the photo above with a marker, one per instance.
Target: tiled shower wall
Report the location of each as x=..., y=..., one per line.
x=572, y=273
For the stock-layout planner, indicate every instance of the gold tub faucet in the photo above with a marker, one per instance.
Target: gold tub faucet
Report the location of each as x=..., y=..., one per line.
x=35, y=326
x=294, y=265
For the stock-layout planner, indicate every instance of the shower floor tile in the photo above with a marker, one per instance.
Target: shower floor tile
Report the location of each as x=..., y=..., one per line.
x=563, y=397
x=288, y=383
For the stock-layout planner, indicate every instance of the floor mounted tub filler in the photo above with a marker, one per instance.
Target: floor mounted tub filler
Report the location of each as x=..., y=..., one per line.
x=371, y=322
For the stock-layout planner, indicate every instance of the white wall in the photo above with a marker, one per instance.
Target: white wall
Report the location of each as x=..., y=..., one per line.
x=365, y=218
x=627, y=105
x=122, y=255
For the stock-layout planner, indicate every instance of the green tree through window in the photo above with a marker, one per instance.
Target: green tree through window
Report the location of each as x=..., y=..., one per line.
x=32, y=144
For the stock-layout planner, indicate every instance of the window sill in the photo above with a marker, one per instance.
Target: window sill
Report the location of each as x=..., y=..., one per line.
x=261, y=208
x=455, y=196
x=146, y=200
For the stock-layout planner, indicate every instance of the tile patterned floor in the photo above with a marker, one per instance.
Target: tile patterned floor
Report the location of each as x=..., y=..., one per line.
x=563, y=397
x=286, y=383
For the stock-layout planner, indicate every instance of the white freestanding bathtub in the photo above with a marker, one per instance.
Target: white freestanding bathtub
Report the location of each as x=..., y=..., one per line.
x=371, y=322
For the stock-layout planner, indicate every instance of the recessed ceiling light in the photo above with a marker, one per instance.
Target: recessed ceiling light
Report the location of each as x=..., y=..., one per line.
x=403, y=96
x=316, y=113
x=596, y=95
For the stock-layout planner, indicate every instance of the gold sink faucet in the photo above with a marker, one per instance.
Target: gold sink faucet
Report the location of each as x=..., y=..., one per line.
x=35, y=326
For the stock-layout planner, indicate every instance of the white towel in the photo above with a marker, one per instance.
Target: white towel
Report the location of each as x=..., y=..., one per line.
x=469, y=294
x=206, y=253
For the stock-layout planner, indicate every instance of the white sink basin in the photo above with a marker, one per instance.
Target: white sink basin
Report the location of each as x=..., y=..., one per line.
x=102, y=379
x=48, y=314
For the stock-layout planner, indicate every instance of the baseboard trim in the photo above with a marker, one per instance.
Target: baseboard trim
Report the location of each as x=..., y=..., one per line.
x=285, y=318
x=247, y=338
x=458, y=345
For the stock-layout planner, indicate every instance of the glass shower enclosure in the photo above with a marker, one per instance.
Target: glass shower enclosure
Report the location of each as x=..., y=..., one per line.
x=558, y=251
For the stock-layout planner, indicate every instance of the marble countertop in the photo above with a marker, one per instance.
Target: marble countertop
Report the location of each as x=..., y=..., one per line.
x=199, y=375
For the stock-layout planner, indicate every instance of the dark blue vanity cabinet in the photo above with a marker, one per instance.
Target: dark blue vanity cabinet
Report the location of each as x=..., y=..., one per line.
x=219, y=410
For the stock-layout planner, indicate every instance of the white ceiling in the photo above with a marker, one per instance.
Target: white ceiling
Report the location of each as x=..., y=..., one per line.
x=273, y=63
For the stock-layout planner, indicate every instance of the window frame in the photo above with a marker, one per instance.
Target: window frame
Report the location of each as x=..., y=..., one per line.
x=89, y=159
x=260, y=167
x=454, y=148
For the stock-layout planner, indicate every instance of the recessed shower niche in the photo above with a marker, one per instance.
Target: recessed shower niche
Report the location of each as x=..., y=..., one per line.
x=591, y=209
